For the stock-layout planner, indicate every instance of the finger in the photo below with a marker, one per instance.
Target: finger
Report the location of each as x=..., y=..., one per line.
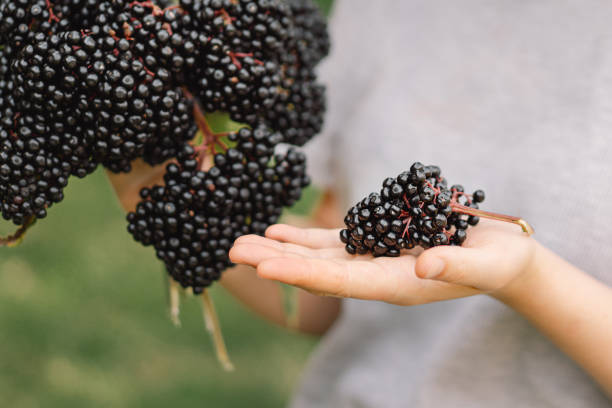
x=464, y=266
x=250, y=239
x=258, y=240
x=309, y=237
x=334, y=252
x=337, y=277
x=254, y=254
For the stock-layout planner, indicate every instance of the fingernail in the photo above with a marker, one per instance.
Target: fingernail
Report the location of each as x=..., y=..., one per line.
x=436, y=268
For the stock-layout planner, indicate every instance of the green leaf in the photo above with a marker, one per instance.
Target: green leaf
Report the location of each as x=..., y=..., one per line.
x=220, y=122
x=228, y=142
x=198, y=139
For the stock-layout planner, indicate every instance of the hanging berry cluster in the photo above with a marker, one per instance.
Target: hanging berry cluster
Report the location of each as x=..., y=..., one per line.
x=85, y=83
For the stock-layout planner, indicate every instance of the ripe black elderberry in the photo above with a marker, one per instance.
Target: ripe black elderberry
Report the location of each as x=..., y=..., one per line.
x=416, y=208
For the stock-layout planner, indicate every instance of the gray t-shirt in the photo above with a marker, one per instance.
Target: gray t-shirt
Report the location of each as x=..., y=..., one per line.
x=511, y=96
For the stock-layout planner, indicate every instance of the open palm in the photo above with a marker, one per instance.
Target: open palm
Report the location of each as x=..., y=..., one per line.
x=315, y=260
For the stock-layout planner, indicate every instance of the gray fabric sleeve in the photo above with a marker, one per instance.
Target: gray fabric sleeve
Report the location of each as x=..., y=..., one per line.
x=346, y=83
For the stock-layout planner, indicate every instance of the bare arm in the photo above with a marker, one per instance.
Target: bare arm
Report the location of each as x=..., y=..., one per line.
x=571, y=308
x=316, y=313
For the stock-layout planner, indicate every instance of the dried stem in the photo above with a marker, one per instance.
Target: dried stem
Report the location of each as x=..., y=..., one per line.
x=213, y=327
x=174, y=299
x=17, y=237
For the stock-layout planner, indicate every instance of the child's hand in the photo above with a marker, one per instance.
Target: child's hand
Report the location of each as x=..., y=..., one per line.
x=494, y=256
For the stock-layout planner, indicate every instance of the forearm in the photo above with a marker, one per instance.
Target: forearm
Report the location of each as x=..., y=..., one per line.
x=262, y=297
x=265, y=298
x=571, y=308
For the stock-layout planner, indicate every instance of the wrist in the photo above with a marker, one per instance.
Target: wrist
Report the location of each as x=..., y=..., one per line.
x=528, y=281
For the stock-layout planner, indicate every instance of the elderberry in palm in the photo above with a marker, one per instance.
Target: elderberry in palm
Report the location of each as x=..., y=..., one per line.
x=416, y=208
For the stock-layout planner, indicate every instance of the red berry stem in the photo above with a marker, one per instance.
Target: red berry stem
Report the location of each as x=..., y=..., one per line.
x=155, y=9
x=15, y=239
x=52, y=16
x=210, y=139
x=127, y=31
x=227, y=19
x=462, y=209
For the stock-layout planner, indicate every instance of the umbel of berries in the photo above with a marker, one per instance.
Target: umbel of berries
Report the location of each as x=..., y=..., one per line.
x=416, y=208
x=89, y=83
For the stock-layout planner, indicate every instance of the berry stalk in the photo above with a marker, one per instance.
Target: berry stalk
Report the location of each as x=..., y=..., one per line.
x=16, y=238
x=462, y=209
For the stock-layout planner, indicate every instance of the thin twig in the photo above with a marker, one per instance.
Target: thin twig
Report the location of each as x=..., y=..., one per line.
x=174, y=298
x=17, y=237
x=212, y=325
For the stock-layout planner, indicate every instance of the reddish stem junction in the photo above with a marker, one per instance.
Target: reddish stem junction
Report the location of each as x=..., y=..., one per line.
x=52, y=16
x=235, y=55
x=155, y=9
x=210, y=139
x=227, y=19
x=463, y=209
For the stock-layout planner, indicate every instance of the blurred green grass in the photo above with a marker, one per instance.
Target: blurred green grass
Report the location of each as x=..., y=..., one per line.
x=83, y=322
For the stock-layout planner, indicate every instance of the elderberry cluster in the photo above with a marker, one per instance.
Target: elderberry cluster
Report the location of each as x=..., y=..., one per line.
x=85, y=83
x=416, y=208
x=194, y=219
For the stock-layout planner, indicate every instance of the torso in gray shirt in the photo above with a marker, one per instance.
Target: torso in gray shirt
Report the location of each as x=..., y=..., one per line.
x=511, y=96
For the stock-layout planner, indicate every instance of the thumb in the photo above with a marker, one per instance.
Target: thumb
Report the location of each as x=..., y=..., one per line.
x=463, y=266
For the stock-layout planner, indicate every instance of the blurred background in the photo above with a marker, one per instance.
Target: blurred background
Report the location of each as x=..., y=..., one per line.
x=84, y=322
